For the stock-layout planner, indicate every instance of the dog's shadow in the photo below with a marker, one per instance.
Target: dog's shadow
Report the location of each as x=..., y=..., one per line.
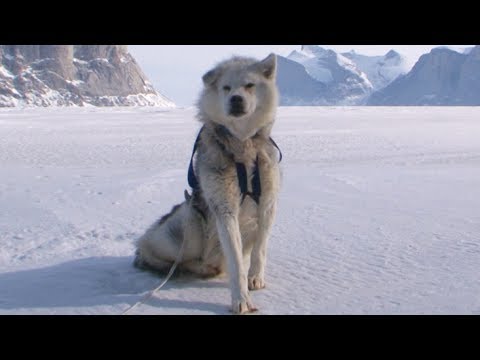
x=98, y=281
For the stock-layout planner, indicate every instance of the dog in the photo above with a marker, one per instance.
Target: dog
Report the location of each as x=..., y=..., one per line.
x=227, y=219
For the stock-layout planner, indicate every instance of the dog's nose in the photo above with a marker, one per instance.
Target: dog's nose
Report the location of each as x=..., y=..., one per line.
x=236, y=100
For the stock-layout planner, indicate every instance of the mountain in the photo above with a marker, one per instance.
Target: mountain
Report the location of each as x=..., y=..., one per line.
x=296, y=86
x=316, y=76
x=441, y=77
x=73, y=75
x=380, y=70
x=459, y=49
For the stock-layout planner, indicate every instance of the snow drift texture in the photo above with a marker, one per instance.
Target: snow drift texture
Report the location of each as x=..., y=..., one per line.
x=379, y=211
x=66, y=75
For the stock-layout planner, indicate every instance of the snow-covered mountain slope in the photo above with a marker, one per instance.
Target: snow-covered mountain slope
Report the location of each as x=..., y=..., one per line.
x=343, y=83
x=297, y=87
x=68, y=75
x=378, y=211
x=380, y=70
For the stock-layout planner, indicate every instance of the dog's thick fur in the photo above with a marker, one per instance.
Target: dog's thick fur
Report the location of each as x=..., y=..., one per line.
x=237, y=107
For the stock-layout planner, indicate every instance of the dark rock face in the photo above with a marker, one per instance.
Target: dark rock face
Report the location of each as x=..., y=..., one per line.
x=89, y=52
x=442, y=77
x=469, y=78
x=73, y=75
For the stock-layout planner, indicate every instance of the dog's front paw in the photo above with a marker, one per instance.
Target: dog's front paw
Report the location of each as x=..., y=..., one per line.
x=256, y=282
x=243, y=306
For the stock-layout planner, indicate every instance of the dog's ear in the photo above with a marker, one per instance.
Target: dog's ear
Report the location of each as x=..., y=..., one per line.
x=211, y=77
x=268, y=66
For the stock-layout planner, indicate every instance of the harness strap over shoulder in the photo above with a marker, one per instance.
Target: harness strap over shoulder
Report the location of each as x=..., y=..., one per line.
x=279, y=151
x=192, y=179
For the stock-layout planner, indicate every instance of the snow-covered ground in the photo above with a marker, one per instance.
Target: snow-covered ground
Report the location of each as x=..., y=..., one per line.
x=379, y=211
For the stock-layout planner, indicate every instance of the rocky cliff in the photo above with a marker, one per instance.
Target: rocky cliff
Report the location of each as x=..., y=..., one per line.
x=69, y=75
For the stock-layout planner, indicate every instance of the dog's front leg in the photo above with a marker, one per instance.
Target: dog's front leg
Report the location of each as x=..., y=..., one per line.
x=258, y=258
x=230, y=238
x=266, y=216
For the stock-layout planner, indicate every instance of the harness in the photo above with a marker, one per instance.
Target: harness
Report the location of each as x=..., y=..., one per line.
x=240, y=167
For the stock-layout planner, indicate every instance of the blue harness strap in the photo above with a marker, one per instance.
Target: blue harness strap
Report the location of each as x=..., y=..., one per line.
x=241, y=173
x=243, y=183
x=192, y=179
x=279, y=151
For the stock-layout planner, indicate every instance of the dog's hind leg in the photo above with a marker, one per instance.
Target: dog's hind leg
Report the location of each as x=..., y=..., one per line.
x=160, y=245
x=144, y=261
x=199, y=267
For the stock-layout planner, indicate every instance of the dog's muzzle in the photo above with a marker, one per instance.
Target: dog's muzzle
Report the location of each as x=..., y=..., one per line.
x=236, y=106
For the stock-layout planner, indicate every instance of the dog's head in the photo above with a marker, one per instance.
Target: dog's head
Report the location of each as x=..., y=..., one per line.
x=241, y=94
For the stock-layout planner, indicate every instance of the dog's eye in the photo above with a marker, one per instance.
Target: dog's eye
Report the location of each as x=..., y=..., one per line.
x=227, y=88
x=249, y=85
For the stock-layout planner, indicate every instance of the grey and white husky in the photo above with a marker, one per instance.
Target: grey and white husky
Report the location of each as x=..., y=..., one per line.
x=226, y=221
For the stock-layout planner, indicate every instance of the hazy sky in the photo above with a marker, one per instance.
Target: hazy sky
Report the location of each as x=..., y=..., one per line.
x=176, y=70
